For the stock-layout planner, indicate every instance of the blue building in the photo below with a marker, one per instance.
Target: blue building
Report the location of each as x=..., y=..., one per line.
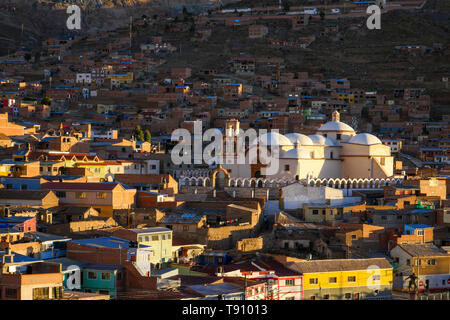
x=21, y=183
x=215, y=258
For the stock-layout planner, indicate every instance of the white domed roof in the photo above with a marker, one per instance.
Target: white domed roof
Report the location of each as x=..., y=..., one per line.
x=296, y=154
x=365, y=139
x=272, y=139
x=335, y=126
x=320, y=140
x=299, y=138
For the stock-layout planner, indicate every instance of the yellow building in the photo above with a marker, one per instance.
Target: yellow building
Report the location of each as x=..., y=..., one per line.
x=119, y=79
x=345, y=279
x=429, y=263
x=346, y=97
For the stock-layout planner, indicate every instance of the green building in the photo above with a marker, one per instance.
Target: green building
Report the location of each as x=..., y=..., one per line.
x=160, y=240
x=102, y=278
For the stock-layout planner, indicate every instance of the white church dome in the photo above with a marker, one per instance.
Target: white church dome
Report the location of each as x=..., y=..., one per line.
x=299, y=138
x=296, y=154
x=335, y=126
x=365, y=139
x=272, y=139
x=319, y=140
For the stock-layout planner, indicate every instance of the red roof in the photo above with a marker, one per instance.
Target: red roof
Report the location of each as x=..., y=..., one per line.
x=80, y=185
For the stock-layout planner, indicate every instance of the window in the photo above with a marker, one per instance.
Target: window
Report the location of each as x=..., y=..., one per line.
x=8, y=186
x=326, y=297
x=92, y=275
x=338, y=136
x=348, y=295
x=40, y=293
x=382, y=161
x=408, y=262
x=420, y=232
x=185, y=228
x=119, y=276
x=103, y=291
x=376, y=277
x=353, y=236
x=106, y=276
x=315, y=211
x=57, y=292
x=11, y=293
x=155, y=238
x=351, y=279
x=290, y=282
x=80, y=195
x=101, y=195
x=61, y=194
x=286, y=167
x=383, y=218
x=431, y=262
x=24, y=187
x=290, y=298
x=323, y=211
x=331, y=155
x=313, y=281
x=332, y=280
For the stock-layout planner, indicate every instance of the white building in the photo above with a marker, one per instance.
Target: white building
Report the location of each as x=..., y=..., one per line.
x=335, y=151
x=295, y=195
x=84, y=78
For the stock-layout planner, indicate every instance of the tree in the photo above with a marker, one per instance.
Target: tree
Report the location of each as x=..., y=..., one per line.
x=322, y=15
x=286, y=5
x=27, y=57
x=147, y=136
x=46, y=100
x=138, y=134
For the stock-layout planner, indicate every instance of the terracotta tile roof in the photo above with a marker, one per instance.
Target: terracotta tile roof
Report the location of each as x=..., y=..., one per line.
x=331, y=265
x=107, y=186
x=416, y=250
x=23, y=194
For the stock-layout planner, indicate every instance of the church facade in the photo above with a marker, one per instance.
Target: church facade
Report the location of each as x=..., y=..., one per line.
x=335, y=151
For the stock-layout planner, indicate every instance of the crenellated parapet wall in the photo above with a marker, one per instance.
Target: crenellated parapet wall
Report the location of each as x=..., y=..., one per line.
x=338, y=183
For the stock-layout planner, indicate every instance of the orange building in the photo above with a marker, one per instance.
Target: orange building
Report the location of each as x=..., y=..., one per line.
x=9, y=128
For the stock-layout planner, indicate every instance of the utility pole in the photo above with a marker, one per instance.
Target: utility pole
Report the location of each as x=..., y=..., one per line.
x=245, y=287
x=131, y=30
x=418, y=277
